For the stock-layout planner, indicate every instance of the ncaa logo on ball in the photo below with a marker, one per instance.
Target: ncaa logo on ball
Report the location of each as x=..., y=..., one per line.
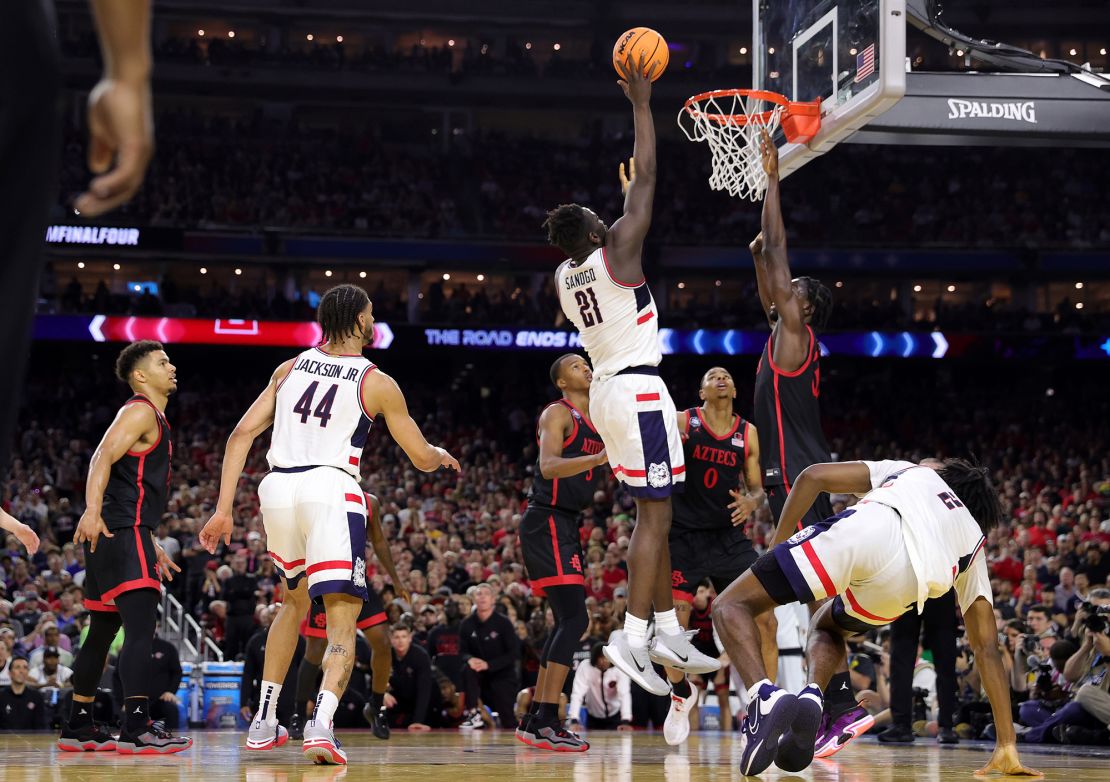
x=801, y=536
x=624, y=41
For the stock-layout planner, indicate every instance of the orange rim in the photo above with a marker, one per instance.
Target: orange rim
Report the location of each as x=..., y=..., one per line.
x=691, y=106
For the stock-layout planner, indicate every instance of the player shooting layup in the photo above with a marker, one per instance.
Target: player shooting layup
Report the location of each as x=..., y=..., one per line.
x=602, y=290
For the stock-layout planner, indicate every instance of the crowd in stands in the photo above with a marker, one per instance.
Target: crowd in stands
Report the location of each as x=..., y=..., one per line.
x=450, y=533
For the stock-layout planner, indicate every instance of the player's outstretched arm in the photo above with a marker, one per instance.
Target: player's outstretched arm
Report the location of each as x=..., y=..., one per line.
x=382, y=394
x=126, y=431
x=258, y=418
x=555, y=424
x=626, y=237
x=381, y=546
x=839, y=478
x=22, y=532
x=121, y=123
x=982, y=633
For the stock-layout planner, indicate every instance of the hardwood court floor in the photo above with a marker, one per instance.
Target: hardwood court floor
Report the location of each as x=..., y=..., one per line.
x=495, y=756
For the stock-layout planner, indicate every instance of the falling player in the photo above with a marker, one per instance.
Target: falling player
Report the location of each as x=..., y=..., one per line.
x=788, y=411
x=915, y=534
x=602, y=291
x=321, y=404
x=567, y=472
x=125, y=497
x=371, y=621
x=707, y=540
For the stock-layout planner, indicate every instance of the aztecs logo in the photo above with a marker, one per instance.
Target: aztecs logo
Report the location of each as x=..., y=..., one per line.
x=658, y=475
x=358, y=573
x=801, y=536
x=677, y=579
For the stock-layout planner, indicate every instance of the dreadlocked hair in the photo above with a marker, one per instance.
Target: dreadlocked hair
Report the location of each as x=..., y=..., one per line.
x=973, y=487
x=131, y=355
x=557, y=368
x=338, y=311
x=566, y=226
x=821, y=298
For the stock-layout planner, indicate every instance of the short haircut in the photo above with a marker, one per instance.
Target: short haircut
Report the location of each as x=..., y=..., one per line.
x=596, y=651
x=566, y=226
x=820, y=297
x=557, y=367
x=131, y=355
x=339, y=309
x=711, y=369
x=1040, y=609
x=972, y=484
x=398, y=626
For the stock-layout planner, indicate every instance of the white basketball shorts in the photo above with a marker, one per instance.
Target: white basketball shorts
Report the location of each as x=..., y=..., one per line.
x=857, y=557
x=636, y=419
x=315, y=522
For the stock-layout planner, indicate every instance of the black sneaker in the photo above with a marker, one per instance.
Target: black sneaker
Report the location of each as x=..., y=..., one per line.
x=556, y=738
x=155, y=740
x=1077, y=734
x=896, y=734
x=90, y=738
x=947, y=736
x=524, y=730
x=378, y=725
x=296, y=729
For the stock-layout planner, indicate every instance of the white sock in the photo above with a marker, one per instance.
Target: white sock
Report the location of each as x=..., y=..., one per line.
x=326, y=704
x=753, y=691
x=635, y=630
x=667, y=622
x=267, y=702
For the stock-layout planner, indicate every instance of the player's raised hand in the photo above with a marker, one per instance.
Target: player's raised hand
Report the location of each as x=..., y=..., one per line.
x=1005, y=761
x=219, y=526
x=627, y=180
x=121, y=127
x=769, y=154
x=636, y=79
x=90, y=528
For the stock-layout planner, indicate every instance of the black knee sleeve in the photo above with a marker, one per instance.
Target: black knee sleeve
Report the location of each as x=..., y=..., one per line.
x=568, y=603
x=88, y=667
x=138, y=611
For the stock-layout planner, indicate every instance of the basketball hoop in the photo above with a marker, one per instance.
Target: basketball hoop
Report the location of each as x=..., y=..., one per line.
x=730, y=121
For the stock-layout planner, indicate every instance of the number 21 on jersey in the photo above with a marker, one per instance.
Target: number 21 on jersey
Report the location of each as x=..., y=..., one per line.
x=587, y=307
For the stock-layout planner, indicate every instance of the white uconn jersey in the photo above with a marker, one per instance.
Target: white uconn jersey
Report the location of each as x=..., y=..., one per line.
x=618, y=323
x=319, y=420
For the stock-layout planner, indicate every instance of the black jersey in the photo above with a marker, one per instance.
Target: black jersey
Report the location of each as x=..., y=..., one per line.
x=138, y=485
x=788, y=415
x=576, y=493
x=714, y=464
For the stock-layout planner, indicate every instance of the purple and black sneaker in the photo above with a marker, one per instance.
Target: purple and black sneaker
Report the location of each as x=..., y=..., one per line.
x=838, y=732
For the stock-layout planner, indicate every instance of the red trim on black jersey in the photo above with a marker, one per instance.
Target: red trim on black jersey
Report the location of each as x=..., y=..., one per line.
x=130, y=586
x=799, y=370
x=372, y=621
x=585, y=417
x=569, y=579
x=609, y=271
x=555, y=545
x=140, y=399
x=782, y=437
x=99, y=605
x=736, y=419
x=747, y=445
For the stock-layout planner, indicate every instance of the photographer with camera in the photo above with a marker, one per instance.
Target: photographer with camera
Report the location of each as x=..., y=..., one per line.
x=1085, y=719
x=1031, y=650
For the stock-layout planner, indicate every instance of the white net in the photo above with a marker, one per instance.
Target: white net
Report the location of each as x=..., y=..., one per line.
x=734, y=145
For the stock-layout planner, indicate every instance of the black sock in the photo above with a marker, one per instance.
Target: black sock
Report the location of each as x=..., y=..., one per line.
x=80, y=714
x=547, y=714
x=682, y=688
x=839, y=696
x=137, y=715
x=376, y=702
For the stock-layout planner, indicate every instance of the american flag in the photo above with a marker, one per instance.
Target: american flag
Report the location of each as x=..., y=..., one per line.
x=865, y=63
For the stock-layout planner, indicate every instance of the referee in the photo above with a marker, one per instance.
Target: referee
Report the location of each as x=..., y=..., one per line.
x=121, y=131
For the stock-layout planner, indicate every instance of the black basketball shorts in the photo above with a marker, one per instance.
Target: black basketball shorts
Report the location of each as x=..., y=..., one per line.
x=818, y=512
x=551, y=546
x=121, y=563
x=315, y=625
x=721, y=555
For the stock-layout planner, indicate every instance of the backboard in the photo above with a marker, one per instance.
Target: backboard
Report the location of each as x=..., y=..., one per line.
x=849, y=53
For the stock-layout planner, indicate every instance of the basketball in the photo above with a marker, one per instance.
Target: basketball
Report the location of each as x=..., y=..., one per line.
x=646, y=42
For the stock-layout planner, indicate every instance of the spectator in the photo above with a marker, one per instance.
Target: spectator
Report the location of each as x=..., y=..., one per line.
x=445, y=644
x=51, y=673
x=604, y=691
x=410, y=702
x=240, y=594
x=21, y=707
x=251, y=683
x=491, y=657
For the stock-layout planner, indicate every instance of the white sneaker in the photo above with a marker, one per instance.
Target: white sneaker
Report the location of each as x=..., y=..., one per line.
x=636, y=663
x=677, y=725
x=473, y=721
x=321, y=746
x=676, y=651
x=263, y=736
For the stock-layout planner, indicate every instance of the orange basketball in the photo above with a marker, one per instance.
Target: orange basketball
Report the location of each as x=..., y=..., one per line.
x=646, y=42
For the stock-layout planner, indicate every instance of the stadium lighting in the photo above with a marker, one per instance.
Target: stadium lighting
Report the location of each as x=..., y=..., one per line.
x=446, y=276
x=557, y=47
x=1079, y=286
x=308, y=37
x=362, y=275
x=951, y=288
x=204, y=270
x=137, y=288
x=450, y=41
x=238, y=272
x=771, y=50
x=1102, y=51
x=481, y=278
x=852, y=50
x=200, y=33
x=230, y=33
x=528, y=46
x=327, y=273
x=840, y=283
x=339, y=39
x=743, y=50
x=917, y=289
x=80, y=264
x=115, y=266
x=1079, y=305
x=717, y=283
x=682, y=286
x=959, y=52
x=1072, y=52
